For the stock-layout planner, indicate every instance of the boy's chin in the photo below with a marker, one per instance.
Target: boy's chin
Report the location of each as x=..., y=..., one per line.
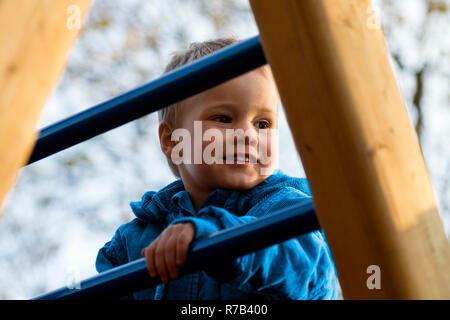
x=241, y=180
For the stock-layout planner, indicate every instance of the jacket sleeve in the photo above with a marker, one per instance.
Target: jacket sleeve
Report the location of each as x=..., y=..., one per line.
x=299, y=268
x=112, y=254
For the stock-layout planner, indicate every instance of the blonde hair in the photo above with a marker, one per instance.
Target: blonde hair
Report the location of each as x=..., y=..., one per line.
x=195, y=50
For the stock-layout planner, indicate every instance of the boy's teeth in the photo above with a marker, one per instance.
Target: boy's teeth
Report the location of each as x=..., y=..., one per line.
x=240, y=158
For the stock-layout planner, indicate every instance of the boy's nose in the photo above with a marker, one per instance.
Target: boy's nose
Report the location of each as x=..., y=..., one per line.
x=249, y=136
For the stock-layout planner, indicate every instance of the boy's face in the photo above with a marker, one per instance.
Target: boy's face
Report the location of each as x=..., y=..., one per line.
x=248, y=102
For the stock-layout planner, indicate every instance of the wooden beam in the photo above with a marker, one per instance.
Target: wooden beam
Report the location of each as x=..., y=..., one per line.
x=36, y=36
x=371, y=188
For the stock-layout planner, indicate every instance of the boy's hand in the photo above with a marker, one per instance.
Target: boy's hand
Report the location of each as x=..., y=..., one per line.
x=169, y=250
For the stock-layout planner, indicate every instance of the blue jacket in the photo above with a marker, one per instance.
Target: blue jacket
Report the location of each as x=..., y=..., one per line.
x=300, y=268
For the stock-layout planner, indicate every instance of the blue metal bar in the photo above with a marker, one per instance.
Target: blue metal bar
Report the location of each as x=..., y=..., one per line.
x=220, y=248
x=174, y=86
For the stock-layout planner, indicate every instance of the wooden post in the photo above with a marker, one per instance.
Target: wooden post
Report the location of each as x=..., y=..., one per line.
x=35, y=36
x=371, y=188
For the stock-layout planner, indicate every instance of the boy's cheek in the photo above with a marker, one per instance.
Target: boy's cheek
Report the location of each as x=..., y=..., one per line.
x=268, y=148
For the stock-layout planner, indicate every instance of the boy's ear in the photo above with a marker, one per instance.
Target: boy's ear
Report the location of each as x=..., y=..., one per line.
x=165, y=134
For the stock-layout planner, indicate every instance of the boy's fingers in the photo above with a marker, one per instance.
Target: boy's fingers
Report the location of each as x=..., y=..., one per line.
x=168, y=251
x=149, y=253
x=170, y=256
x=160, y=261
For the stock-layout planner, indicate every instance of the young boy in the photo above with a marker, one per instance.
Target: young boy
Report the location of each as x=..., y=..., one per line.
x=225, y=188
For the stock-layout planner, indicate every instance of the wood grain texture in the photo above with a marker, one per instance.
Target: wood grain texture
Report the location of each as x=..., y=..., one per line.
x=371, y=187
x=35, y=42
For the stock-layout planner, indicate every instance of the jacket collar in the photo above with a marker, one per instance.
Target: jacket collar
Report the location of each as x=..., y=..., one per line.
x=173, y=199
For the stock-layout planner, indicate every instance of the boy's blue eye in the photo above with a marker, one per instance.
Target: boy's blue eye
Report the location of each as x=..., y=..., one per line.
x=265, y=124
x=222, y=119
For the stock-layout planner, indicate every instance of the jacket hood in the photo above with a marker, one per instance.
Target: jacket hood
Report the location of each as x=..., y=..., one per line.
x=173, y=198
